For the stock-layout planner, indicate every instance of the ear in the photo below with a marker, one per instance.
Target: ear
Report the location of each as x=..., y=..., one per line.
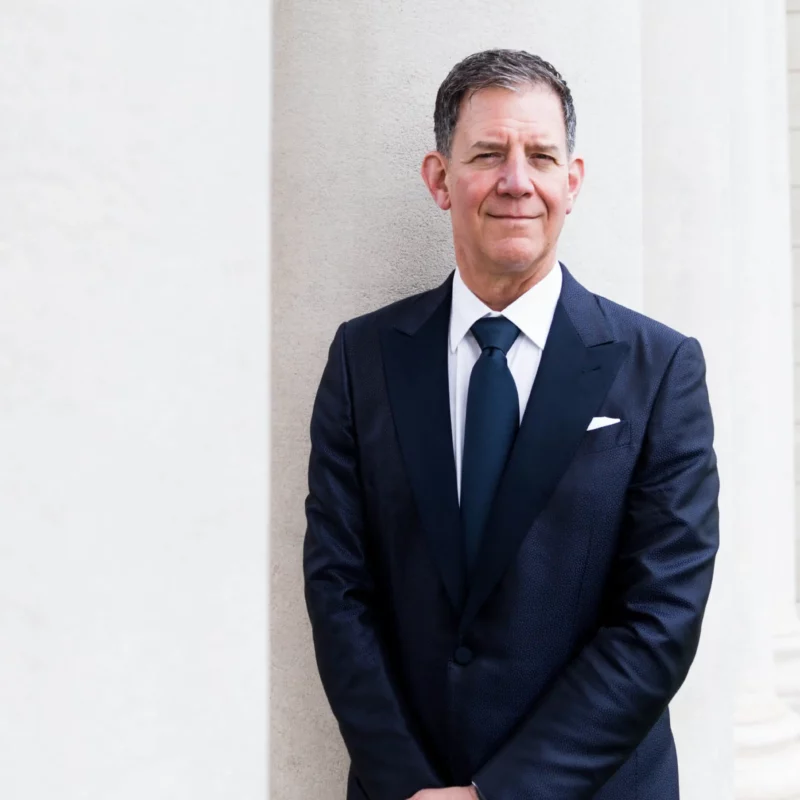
x=575, y=181
x=434, y=173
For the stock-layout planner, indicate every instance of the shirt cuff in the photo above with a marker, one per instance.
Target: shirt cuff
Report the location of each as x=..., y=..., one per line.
x=478, y=791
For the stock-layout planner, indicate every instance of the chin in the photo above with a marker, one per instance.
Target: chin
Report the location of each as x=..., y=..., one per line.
x=515, y=259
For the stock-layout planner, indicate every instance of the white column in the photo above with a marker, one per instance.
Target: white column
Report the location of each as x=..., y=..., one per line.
x=781, y=366
x=767, y=733
x=716, y=254
x=133, y=400
x=688, y=285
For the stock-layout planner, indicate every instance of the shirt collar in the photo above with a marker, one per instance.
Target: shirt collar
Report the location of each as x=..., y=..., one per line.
x=532, y=312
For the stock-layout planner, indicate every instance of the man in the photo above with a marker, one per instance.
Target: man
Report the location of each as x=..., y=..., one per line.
x=512, y=517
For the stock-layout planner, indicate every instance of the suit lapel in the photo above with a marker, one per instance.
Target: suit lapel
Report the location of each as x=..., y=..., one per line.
x=415, y=361
x=579, y=363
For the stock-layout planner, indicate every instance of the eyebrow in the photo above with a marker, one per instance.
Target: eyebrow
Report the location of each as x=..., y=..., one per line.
x=543, y=148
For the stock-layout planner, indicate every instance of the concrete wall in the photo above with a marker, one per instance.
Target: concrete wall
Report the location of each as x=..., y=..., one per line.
x=133, y=399
x=354, y=228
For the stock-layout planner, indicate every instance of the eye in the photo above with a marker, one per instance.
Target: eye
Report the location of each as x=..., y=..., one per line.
x=544, y=156
x=487, y=155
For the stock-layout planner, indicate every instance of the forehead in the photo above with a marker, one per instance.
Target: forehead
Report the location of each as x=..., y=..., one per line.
x=530, y=112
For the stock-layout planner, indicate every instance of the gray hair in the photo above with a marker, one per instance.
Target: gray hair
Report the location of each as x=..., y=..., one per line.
x=509, y=69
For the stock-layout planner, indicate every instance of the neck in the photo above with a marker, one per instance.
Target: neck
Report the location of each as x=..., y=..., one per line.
x=500, y=291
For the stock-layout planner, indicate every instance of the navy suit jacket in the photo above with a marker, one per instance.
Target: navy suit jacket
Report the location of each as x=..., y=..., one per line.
x=546, y=674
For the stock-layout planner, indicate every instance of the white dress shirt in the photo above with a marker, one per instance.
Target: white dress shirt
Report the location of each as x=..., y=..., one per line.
x=532, y=313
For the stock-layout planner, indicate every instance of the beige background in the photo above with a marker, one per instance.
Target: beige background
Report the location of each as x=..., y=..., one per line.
x=354, y=228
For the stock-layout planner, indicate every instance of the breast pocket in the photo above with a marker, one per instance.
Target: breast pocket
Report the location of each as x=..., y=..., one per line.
x=606, y=438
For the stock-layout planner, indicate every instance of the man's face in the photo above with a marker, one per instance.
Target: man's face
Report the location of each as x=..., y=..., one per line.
x=509, y=182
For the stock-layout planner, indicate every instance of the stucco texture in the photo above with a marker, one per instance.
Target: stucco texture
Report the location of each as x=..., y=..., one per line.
x=353, y=228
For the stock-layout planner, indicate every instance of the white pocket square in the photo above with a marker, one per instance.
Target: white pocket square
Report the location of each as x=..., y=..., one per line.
x=601, y=422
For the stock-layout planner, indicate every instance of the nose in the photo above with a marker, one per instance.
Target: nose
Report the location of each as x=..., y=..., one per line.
x=515, y=178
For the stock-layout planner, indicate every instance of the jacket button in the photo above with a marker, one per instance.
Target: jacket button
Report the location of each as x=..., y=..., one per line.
x=463, y=656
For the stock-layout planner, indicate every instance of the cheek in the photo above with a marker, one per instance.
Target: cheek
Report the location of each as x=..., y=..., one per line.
x=468, y=194
x=556, y=198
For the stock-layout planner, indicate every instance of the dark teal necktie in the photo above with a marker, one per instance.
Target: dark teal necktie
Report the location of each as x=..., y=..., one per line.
x=490, y=428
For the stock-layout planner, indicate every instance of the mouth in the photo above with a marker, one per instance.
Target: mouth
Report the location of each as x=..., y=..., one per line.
x=509, y=216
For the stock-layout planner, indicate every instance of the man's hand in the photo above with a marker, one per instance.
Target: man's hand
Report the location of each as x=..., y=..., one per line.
x=451, y=793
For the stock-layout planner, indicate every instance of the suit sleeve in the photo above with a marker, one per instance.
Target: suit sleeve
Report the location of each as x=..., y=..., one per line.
x=603, y=704
x=341, y=601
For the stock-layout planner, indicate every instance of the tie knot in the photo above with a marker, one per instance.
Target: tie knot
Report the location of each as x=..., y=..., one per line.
x=497, y=332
